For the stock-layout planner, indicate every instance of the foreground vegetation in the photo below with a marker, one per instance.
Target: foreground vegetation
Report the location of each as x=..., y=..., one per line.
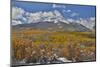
x=34, y=45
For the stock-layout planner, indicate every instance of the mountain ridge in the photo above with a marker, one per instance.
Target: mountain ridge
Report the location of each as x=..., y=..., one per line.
x=51, y=26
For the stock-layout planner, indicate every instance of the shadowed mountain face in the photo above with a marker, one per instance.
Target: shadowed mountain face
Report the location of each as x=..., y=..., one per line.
x=51, y=26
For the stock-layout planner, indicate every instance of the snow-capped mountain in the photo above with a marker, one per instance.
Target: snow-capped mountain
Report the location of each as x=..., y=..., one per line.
x=89, y=23
x=54, y=16
x=20, y=16
x=25, y=17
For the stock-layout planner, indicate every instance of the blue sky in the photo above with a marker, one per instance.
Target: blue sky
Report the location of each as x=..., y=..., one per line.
x=67, y=10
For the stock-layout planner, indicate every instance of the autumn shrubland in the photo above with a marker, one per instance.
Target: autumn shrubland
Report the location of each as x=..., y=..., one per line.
x=33, y=44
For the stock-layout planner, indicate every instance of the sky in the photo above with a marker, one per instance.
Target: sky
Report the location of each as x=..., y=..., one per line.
x=67, y=10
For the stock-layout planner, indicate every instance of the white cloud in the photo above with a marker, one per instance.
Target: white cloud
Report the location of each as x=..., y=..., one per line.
x=18, y=16
x=17, y=12
x=74, y=14
x=15, y=22
x=54, y=5
x=66, y=11
x=92, y=18
x=70, y=20
x=24, y=19
x=45, y=16
x=58, y=6
x=34, y=17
